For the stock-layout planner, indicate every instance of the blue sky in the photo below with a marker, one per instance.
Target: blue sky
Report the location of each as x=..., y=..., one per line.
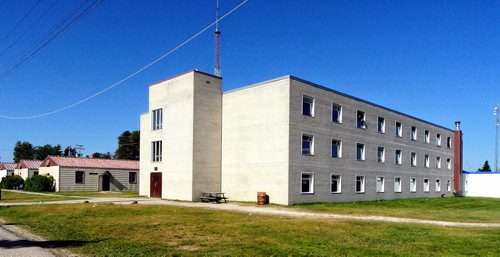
x=436, y=60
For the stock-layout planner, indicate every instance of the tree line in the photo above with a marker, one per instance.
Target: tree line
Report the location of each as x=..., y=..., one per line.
x=128, y=149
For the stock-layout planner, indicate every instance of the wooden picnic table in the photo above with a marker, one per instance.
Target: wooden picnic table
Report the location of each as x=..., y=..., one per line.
x=214, y=197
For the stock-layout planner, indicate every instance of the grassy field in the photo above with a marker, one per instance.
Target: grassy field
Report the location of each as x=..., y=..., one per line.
x=11, y=197
x=139, y=230
x=100, y=194
x=465, y=209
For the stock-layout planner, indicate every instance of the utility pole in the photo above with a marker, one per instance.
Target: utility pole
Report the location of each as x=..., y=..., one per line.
x=79, y=149
x=496, y=113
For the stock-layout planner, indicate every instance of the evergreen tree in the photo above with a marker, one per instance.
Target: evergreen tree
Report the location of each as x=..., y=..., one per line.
x=128, y=145
x=486, y=166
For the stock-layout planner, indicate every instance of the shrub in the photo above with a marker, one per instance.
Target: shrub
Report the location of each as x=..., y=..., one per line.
x=39, y=183
x=11, y=182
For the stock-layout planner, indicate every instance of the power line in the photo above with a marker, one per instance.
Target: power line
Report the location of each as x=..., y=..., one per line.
x=20, y=22
x=30, y=27
x=127, y=77
x=50, y=36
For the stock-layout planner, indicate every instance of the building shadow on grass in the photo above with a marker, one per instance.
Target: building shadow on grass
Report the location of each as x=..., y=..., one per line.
x=12, y=244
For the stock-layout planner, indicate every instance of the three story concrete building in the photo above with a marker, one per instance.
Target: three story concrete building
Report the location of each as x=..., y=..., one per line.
x=295, y=140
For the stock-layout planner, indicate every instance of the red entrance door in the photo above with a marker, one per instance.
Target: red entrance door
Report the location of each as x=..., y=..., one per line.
x=155, y=185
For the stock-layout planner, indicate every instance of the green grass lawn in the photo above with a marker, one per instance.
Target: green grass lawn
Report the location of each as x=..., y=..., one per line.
x=464, y=209
x=101, y=194
x=11, y=197
x=141, y=230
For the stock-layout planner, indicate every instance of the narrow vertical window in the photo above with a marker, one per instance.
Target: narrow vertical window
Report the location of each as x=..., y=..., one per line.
x=361, y=120
x=336, y=184
x=397, y=184
x=414, y=133
x=438, y=139
x=360, y=184
x=157, y=119
x=380, y=184
x=380, y=154
x=413, y=159
x=307, y=144
x=397, y=159
x=426, y=185
x=413, y=185
x=156, y=151
x=438, y=162
x=132, y=177
x=448, y=142
x=438, y=185
x=448, y=185
x=336, y=113
x=426, y=161
x=448, y=163
x=307, y=183
x=336, y=148
x=360, y=152
x=381, y=125
x=399, y=129
x=308, y=106
x=427, y=136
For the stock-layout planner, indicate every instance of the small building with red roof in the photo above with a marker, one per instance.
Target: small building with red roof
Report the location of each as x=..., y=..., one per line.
x=27, y=168
x=91, y=174
x=6, y=169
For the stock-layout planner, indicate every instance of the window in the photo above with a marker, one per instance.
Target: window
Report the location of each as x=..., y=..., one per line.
x=426, y=161
x=380, y=154
x=360, y=120
x=413, y=133
x=438, y=185
x=157, y=119
x=381, y=125
x=360, y=184
x=307, y=144
x=132, y=177
x=397, y=159
x=79, y=177
x=413, y=159
x=438, y=139
x=399, y=129
x=337, y=113
x=448, y=185
x=336, y=186
x=426, y=185
x=427, y=136
x=438, y=162
x=308, y=106
x=448, y=163
x=397, y=184
x=307, y=183
x=360, y=152
x=380, y=184
x=413, y=185
x=35, y=173
x=336, y=148
x=448, y=142
x=156, y=151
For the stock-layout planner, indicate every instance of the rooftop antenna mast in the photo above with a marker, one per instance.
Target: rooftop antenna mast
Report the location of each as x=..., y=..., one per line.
x=217, y=69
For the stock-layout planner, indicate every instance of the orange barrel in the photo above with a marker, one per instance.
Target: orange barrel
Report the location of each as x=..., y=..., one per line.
x=261, y=198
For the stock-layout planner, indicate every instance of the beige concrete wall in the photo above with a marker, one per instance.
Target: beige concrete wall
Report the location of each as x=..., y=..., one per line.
x=190, y=136
x=52, y=171
x=207, y=136
x=255, y=142
x=24, y=173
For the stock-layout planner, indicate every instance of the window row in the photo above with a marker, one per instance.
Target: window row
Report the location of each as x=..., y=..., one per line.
x=308, y=149
x=80, y=177
x=307, y=184
x=308, y=110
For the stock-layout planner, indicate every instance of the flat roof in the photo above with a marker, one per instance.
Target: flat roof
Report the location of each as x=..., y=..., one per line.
x=335, y=92
x=480, y=172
